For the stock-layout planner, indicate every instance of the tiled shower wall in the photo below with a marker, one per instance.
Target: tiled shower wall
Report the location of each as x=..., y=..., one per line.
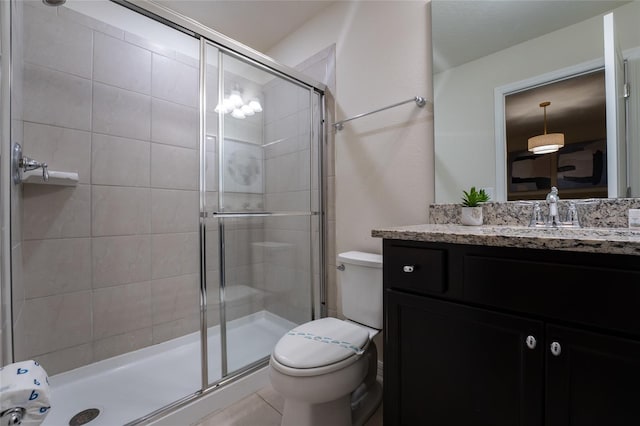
x=288, y=159
x=110, y=265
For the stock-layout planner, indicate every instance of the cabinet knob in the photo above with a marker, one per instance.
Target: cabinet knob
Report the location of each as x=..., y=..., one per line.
x=556, y=348
x=531, y=342
x=407, y=268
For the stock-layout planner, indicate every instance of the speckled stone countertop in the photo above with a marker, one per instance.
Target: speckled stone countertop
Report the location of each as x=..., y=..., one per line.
x=505, y=225
x=594, y=240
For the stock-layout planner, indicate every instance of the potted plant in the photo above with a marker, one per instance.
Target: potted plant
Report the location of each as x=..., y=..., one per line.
x=471, y=209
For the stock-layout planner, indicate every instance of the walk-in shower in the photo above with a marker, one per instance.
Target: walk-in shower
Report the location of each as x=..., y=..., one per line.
x=180, y=232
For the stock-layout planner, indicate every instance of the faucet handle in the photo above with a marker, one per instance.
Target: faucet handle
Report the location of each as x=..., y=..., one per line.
x=536, y=214
x=572, y=214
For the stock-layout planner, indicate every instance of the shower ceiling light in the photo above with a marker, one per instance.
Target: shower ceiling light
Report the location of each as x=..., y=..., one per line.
x=247, y=110
x=237, y=113
x=238, y=109
x=255, y=105
x=547, y=142
x=236, y=99
x=222, y=108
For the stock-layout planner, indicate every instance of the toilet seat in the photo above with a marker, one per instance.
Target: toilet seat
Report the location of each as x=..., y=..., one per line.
x=320, y=346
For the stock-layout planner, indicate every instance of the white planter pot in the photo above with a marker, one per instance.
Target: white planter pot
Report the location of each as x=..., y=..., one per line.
x=471, y=216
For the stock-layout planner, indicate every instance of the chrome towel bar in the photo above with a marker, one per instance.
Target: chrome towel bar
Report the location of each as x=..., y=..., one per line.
x=419, y=100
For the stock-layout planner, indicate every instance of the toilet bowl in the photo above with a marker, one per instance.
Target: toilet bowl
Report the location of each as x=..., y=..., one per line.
x=326, y=369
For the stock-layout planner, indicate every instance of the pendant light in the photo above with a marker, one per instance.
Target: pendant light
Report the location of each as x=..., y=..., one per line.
x=547, y=142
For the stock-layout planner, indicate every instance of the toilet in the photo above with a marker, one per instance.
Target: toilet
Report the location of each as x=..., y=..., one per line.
x=326, y=369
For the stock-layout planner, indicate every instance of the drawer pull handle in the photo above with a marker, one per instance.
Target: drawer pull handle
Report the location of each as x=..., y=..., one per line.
x=407, y=268
x=556, y=349
x=531, y=342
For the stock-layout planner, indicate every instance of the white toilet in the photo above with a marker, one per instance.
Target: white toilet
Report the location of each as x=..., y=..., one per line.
x=326, y=369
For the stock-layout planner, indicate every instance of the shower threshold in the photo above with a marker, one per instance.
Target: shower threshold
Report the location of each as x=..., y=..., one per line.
x=132, y=385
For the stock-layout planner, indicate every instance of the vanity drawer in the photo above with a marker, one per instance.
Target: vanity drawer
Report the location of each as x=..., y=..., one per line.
x=418, y=269
x=589, y=292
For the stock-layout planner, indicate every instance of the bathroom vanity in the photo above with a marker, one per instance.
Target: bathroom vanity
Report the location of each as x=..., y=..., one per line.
x=504, y=325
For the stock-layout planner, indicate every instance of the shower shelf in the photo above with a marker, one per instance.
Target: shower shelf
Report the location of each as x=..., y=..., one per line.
x=55, y=178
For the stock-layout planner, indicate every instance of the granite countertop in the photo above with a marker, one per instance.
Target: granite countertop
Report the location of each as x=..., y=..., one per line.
x=595, y=240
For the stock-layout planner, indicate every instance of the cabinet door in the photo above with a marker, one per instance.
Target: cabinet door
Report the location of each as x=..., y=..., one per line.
x=447, y=364
x=592, y=379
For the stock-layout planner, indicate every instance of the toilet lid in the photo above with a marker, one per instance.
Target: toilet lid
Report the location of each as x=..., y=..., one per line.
x=319, y=343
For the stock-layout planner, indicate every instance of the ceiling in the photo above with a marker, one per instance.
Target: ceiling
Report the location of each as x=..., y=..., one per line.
x=456, y=24
x=259, y=24
x=464, y=30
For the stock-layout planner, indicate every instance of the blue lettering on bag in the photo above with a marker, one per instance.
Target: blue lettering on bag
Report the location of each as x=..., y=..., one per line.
x=22, y=371
x=33, y=396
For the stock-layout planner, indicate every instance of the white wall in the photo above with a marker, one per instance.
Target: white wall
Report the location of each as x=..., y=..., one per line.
x=384, y=162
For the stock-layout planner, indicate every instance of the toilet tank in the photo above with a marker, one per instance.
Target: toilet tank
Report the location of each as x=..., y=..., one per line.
x=361, y=286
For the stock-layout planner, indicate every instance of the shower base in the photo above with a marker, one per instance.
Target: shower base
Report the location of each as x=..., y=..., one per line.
x=132, y=385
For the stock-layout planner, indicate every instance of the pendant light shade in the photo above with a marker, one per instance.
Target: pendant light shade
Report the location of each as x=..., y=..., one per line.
x=547, y=142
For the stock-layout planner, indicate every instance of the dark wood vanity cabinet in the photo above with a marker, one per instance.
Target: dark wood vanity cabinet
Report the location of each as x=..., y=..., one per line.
x=485, y=336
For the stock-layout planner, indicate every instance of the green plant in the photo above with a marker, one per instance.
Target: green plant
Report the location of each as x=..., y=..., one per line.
x=474, y=197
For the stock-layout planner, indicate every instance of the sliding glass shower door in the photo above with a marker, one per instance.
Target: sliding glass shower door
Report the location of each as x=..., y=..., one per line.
x=179, y=235
x=262, y=209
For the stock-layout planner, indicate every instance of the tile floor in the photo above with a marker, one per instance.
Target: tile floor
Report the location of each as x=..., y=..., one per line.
x=263, y=408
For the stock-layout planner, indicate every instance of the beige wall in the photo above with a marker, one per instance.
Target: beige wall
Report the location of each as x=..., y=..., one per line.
x=383, y=162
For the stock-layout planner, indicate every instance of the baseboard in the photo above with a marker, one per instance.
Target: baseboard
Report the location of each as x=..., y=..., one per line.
x=379, y=374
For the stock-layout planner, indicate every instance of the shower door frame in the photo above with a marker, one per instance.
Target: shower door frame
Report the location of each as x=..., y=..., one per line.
x=226, y=45
x=206, y=36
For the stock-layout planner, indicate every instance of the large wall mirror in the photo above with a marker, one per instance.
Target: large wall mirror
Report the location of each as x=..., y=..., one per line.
x=485, y=52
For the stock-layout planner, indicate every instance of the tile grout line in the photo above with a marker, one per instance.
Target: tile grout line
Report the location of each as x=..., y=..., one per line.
x=268, y=403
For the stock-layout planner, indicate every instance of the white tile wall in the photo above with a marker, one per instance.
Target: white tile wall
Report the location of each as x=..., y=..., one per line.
x=120, y=260
x=63, y=212
x=174, y=124
x=67, y=359
x=174, y=167
x=174, y=298
x=174, y=254
x=54, y=322
x=65, y=149
x=118, y=210
x=174, y=211
x=113, y=61
x=121, y=112
x=121, y=309
x=65, y=48
x=174, y=81
x=56, y=266
x=120, y=161
x=121, y=343
x=92, y=105
x=56, y=98
x=112, y=264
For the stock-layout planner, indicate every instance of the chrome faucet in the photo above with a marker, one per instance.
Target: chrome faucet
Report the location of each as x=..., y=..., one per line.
x=552, y=200
x=554, y=219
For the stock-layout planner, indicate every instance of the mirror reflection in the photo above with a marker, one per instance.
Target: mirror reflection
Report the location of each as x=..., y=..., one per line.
x=567, y=118
x=486, y=51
